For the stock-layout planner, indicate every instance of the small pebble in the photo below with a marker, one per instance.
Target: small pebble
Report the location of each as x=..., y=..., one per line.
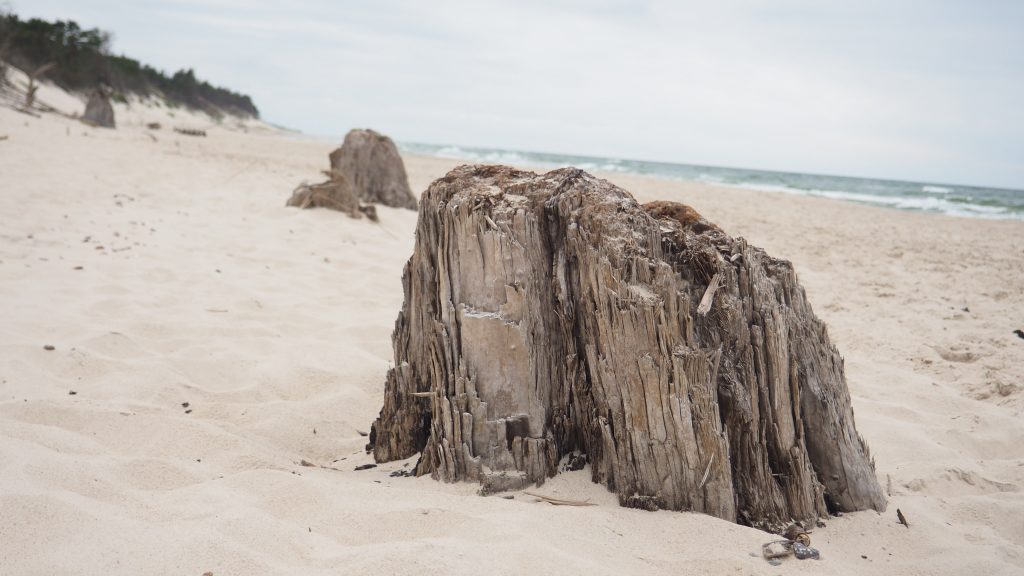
x=184, y=404
x=49, y=347
x=189, y=411
x=72, y=392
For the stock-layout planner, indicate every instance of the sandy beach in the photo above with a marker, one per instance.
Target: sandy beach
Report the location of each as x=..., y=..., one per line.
x=207, y=342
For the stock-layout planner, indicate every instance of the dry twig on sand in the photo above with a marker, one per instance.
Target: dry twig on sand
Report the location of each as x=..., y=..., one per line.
x=30, y=93
x=559, y=501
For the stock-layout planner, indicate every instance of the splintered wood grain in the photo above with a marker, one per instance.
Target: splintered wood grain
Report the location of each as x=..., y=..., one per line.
x=546, y=314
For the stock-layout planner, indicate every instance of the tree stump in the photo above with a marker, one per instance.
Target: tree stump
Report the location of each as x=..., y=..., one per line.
x=98, y=110
x=374, y=168
x=549, y=314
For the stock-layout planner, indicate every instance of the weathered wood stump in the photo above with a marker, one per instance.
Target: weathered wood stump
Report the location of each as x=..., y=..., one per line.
x=98, y=110
x=374, y=168
x=547, y=314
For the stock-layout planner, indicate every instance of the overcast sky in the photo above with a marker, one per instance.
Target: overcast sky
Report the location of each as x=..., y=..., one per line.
x=929, y=91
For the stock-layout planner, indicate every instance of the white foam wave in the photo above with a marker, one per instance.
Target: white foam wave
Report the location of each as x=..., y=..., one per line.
x=483, y=156
x=711, y=179
x=603, y=166
x=936, y=189
x=918, y=203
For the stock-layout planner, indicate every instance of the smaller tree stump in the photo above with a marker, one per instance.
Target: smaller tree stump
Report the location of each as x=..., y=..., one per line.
x=374, y=168
x=98, y=110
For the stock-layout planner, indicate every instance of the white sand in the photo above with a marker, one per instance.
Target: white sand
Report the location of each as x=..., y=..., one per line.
x=198, y=285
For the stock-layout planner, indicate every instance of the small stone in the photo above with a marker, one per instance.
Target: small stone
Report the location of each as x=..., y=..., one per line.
x=72, y=392
x=49, y=347
x=803, y=552
x=365, y=467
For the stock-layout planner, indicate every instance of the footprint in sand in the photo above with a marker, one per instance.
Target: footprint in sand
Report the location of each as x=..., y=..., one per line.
x=956, y=354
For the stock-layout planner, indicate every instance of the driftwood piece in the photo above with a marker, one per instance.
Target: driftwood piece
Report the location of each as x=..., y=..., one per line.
x=374, y=168
x=335, y=194
x=98, y=110
x=546, y=314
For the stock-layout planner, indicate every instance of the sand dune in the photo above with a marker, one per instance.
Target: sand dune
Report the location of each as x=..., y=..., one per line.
x=168, y=271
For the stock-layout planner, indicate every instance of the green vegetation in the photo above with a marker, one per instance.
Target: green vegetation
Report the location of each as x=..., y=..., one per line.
x=82, y=60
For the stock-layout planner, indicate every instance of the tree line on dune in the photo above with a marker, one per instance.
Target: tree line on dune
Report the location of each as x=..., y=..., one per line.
x=77, y=58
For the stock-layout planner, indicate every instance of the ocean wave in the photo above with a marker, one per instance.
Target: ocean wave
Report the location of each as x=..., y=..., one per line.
x=968, y=201
x=950, y=207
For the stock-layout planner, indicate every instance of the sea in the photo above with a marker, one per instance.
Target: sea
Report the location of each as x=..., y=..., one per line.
x=954, y=200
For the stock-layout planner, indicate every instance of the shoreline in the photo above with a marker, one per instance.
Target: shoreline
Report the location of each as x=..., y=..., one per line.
x=705, y=191
x=905, y=195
